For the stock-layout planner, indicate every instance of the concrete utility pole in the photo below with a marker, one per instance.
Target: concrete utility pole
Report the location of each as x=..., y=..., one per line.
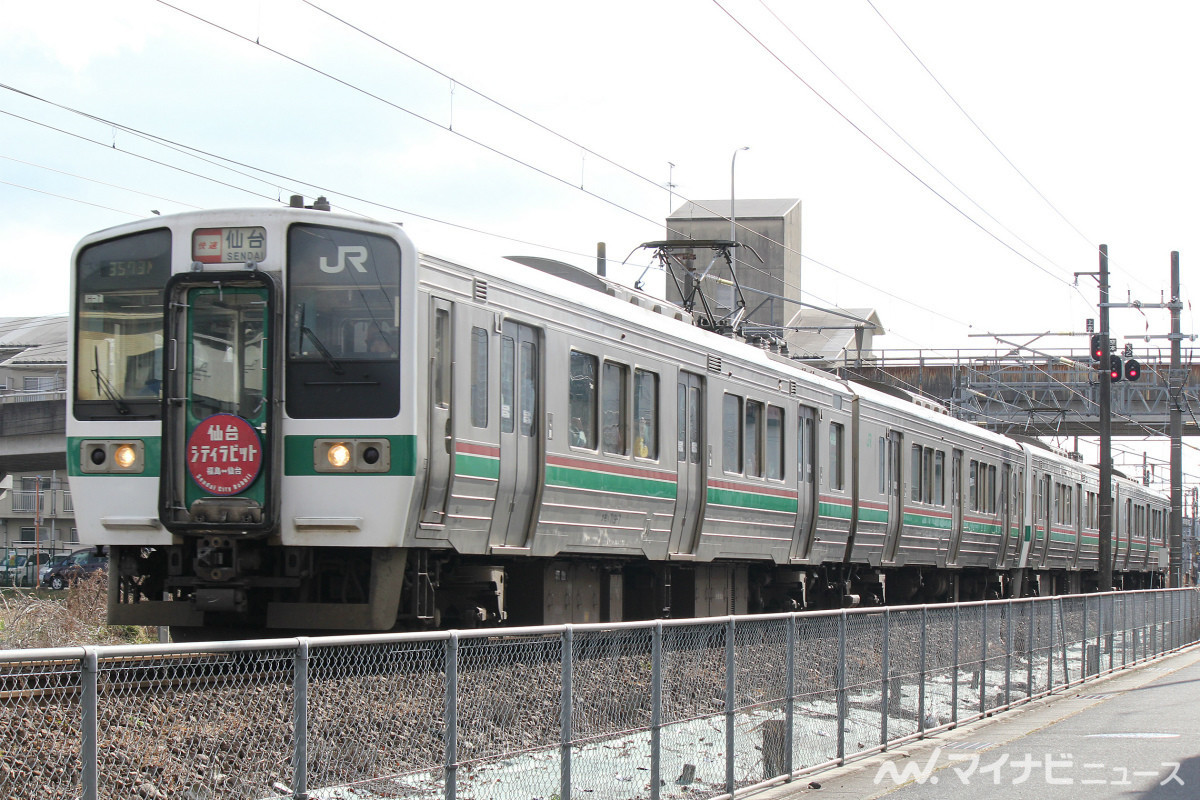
x=1175, y=393
x=1106, y=498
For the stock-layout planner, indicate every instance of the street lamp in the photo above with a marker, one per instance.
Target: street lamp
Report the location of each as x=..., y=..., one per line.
x=732, y=212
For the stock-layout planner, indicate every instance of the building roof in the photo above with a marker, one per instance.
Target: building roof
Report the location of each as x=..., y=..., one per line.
x=746, y=209
x=32, y=331
x=831, y=336
x=33, y=341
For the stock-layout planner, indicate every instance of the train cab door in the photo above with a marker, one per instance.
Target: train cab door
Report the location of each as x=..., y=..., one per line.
x=441, y=432
x=956, y=507
x=518, y=488
x=806, y=483
x=220, y=446
x=893, y=485
x=691, y=486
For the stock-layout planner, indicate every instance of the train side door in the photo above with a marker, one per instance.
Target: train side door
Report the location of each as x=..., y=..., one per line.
x=1005, y=515
x=1077, y=522
x=1047, y=518
x=894, y=486
x=519, y=483
x=806, y=483
x=691, y=487
x=956, y=506
x=441, y=435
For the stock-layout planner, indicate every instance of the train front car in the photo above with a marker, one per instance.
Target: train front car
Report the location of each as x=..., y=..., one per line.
x=241, y=428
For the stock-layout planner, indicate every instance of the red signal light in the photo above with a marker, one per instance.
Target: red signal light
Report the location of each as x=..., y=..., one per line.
x=1133, y=370
x=1115, y=370
x=1097, y=348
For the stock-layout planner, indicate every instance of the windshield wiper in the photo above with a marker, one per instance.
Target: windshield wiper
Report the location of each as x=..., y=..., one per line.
x=106, y=388
x=333, y=363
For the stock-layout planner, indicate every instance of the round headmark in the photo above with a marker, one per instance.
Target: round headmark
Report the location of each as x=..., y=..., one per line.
x=224, y=454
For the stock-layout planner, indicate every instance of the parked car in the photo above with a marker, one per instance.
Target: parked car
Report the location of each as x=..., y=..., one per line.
x=49, y=565
x=19, y=569
x=77, y=565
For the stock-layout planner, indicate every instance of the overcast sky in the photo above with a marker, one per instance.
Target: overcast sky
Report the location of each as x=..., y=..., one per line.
x=1081, y=130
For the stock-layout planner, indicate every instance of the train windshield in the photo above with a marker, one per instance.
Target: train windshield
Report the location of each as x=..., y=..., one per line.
x=119, y=338
x=343, y=340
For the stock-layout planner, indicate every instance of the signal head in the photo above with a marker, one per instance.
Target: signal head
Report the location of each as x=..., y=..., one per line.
x=1097, y=347
x=1133, y=370
x=1115, y=370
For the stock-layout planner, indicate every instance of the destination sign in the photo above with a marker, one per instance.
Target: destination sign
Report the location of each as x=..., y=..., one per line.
x=229, y=245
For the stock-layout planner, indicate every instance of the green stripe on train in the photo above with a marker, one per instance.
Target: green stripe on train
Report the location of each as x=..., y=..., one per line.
x=152, y=448
x=298, y=455
x=759, y=502
x=469, y=466
x=594, y=480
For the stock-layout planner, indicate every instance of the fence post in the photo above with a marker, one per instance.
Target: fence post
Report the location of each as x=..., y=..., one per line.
x=1031, y=648
x=1050, y=651
x=451, y=732
x=656, y=682
x=841, y=690
x=89, y=666
x=955, y=657
x=790, y=708
x=566, y=710
x=1008, y=655
x=921, y=685
x=730, y=702
x=885, y=699
x=983, y=666
x=300, y=720
x=1084, y=671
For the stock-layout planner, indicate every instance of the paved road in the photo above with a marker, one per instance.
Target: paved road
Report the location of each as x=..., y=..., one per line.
x=1133, y=735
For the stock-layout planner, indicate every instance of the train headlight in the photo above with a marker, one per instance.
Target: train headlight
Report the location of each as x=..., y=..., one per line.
x=338, y=455
x=125, y=456
x=101, y=456
x=353, y=455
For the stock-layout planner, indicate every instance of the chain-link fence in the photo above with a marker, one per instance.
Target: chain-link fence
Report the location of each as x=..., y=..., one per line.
x=672, y=709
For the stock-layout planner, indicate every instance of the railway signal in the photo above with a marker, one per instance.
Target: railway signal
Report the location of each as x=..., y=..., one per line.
x=1133, y=370
x=1115, y=370
x=1097, y=348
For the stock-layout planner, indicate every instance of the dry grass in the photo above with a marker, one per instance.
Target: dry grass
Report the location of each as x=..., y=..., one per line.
x=75, y=617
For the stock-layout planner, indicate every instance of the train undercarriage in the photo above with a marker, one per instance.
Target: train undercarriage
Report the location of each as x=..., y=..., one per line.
x=220, y=586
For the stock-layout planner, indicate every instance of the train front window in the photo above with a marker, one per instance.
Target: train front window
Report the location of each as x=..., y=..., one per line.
x=343, y=339
x=119, y=334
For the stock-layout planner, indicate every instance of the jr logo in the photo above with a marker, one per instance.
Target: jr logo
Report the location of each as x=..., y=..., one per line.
x=355, y=256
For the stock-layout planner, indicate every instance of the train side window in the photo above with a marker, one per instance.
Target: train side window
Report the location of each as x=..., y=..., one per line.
x=529, y=409
x=915, y=474
x=508, y=383
x=754, y=431
x=584, y=369
x=614, y=391
x=991, y=490
x=731, y=445
x=837, y=440
x=973, y=484
x=479, y=377
x=775, y=466
x=645, y=414
x=927, y=475
x=804, y=448
x=441, y=360
x=939, y=478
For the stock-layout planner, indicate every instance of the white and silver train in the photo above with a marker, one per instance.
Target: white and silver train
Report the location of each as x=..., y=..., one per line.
x=287, y=419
